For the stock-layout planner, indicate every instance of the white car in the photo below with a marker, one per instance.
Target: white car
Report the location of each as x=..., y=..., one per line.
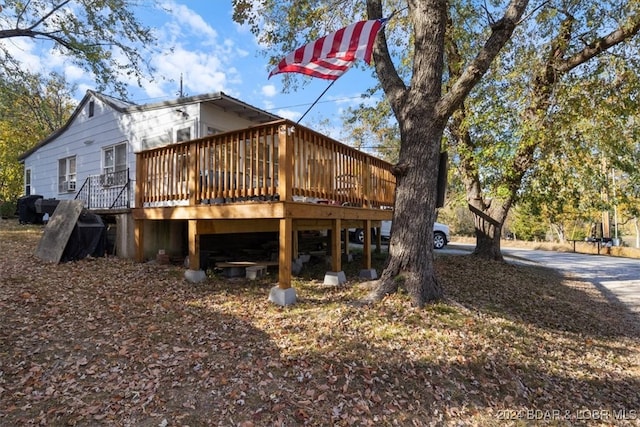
x=441, y=236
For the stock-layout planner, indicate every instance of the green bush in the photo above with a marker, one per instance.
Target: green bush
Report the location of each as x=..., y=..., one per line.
x=7, y=209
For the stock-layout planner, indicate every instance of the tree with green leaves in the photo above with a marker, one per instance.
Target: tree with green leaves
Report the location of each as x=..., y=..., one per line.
x=410, y=66
x=371, y=128
x=514, y=120
x=103, y=37
x=31, y=107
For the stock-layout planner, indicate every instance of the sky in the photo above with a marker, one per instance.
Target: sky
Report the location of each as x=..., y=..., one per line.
x=201, y=43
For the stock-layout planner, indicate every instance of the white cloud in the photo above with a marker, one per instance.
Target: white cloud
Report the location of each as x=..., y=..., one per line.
x=24, y=50
x=268, y=105
x=201, y=73
x=74, y=73
x=269, y=90
x=82, y=90
x=186, y=19
x=193, y=48
x=289, y=114
x=353, y=100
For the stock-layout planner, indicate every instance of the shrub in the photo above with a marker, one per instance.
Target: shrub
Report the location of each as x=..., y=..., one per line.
x=7, y=209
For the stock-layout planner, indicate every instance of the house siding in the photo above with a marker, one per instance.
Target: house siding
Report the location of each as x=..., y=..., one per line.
x=218, y=119
x=85, y=137
x=115, y=122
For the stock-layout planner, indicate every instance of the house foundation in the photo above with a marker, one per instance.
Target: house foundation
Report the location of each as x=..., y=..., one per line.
x=195, y=276
x=282, y=297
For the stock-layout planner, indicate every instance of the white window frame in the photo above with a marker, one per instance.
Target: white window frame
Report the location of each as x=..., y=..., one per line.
x=27, y=182
x=115, y=167
x=185, y=126
x=67, y=177
x=113, y=161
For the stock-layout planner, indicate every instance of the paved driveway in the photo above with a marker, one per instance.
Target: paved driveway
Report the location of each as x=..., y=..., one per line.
x=617, y=278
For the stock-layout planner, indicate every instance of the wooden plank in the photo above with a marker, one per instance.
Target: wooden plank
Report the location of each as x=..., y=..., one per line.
x=223, y=226
x=265, y=210
x=58, y=230
x=285, y=163
x=236, y=211
x=193, y=174
x=141, y=178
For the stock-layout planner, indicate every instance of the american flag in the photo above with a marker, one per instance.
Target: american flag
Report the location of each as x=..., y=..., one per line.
x=331, y=56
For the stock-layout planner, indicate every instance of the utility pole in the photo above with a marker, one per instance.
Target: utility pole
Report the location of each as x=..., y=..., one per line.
x=181, y=93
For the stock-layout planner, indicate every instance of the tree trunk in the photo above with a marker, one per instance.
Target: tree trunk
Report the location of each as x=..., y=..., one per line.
x=558, y=229
x=488, y=215
x=422, y=113
x=488, y=224
x=410, y=263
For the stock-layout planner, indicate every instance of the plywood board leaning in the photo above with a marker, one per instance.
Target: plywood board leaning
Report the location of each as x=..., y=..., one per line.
x=58, y=230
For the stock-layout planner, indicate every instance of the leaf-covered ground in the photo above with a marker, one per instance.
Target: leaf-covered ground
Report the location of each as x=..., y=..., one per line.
x=111, y=342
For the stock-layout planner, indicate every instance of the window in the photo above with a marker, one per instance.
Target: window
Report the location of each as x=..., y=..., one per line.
x=67, y=174
x=92, y=106
x=115, y=158
x=27, y=182
x=183, y=134
x=114, y=164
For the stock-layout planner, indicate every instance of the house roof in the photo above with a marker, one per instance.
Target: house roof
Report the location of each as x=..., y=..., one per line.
x=219, y=99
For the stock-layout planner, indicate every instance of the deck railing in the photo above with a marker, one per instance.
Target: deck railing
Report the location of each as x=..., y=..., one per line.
x=275, y=161
x=107, y=191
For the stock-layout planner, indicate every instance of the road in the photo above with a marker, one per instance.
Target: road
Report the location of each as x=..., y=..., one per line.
x=617, y=278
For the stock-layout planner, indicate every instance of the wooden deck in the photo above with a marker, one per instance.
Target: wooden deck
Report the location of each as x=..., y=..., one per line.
x=279, y=177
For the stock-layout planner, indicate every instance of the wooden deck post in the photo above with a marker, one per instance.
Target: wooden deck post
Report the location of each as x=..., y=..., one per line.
x=367, y=272
x=336, y=248
x=138, y=224
x=295, y=244
x=346, y=241
x=194, y=274
x=194, y=245
x=138, y=237
x=285, y=253
x=283, y=294
x=366, y=249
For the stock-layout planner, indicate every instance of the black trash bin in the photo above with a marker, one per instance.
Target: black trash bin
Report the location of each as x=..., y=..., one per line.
x=27, y=213
x=89, y=237
x=46, y=206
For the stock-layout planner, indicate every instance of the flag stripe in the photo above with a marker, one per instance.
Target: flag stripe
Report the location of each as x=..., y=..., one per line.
x=329, y=69
x=332, y=55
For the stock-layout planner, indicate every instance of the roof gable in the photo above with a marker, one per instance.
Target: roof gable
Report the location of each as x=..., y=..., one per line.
x=114, y=103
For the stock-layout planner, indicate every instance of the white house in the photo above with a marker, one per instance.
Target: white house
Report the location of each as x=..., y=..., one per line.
x=92, y=157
